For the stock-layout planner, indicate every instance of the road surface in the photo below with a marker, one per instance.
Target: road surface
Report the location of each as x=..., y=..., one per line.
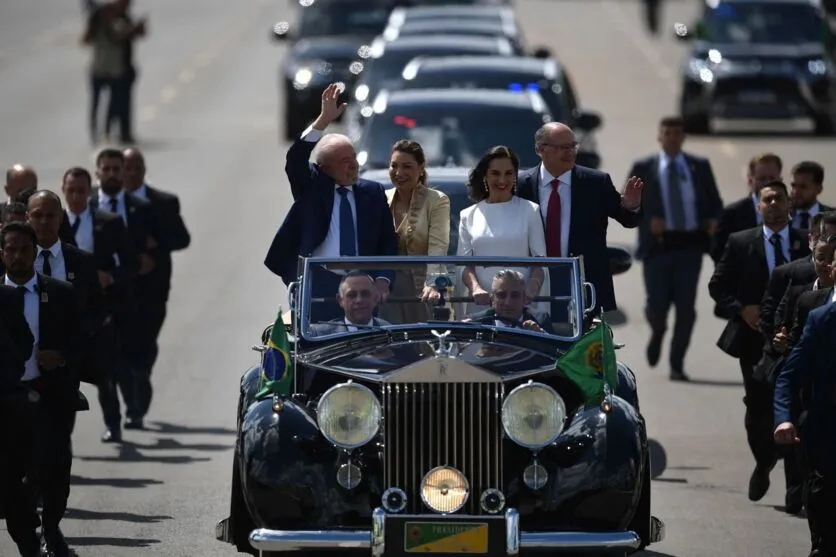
x=207, y=112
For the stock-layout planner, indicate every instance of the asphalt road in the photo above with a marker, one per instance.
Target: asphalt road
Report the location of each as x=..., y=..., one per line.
x=207, y=113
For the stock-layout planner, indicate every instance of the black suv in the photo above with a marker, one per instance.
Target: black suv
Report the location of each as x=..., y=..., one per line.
x=759, y=59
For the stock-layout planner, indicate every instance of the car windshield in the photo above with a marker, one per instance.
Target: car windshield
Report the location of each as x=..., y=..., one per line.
x=339, y=297
x=768, y=22
x=486, y=80
x=452, y=135
x=343, y=18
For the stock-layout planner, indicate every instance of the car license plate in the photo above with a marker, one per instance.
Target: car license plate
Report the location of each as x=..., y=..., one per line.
x=758, y=97
x=446, y=537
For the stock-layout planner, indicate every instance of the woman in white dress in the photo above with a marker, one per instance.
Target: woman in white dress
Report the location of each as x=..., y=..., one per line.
x=500, y=224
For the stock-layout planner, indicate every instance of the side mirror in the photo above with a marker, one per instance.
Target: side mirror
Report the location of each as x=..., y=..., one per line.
x=588, y=121
x=620, y=260
x=542, y=52
x=280, y=31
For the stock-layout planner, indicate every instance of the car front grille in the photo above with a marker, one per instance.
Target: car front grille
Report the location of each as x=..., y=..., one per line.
x=731, y=87
x=442, y=424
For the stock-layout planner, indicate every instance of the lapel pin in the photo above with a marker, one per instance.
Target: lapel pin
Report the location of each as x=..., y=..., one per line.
x=132, y=209
x=796, y=245
x=70, y=276
x=44, y=298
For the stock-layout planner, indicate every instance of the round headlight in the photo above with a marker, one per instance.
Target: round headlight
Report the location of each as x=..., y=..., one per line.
x=533, y=415
x=348, y=415
x=444, y=489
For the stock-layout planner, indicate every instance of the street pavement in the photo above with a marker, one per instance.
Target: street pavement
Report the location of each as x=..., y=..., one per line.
x=207, y=119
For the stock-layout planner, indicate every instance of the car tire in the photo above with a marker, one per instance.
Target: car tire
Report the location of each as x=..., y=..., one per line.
x=641, y=519
x=824, y=126
x=241, y=524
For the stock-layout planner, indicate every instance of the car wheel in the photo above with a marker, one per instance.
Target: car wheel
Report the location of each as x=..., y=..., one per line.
x=239, y=516
x=641, y=520
x=824, y=125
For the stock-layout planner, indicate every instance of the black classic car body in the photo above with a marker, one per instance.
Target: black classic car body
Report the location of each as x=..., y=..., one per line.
x=414, y=437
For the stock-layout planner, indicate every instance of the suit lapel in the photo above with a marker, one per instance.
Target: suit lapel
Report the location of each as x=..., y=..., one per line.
x=416, y=205
x=576, y=194
x=694, y=170
x=527, y=188
x=69, y=263
x=758, y=251
x=44, y=315
x=362, y=231
x=655, y=205
x=797, y=245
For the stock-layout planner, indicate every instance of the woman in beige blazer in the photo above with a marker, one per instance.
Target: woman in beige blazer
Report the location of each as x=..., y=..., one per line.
x=422, y=221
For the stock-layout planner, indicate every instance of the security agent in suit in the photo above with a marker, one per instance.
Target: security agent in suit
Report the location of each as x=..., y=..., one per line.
x=807, y=184
x=812, y=362
x=21, y=179
x=743, y=214
x=508, y=305
x=105, y=236
x=576, y=204
x=681, y=208
x=737, y=286
x=146, y=238
x=334, y=213
x=155, y=286
x=51, y=377
x=16, y=344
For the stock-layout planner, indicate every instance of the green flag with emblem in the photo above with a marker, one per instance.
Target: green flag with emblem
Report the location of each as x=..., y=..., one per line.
x=591, y=362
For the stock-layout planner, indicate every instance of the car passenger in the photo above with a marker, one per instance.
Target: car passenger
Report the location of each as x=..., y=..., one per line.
x=358, y=297
x=508, y=305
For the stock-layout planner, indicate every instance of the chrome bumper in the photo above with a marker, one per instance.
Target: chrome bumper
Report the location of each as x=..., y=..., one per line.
x=374, y=540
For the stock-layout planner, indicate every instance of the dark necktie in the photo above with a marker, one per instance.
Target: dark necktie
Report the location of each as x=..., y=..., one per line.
x=114, y=205
x=47, y=267
x=779, y=253
x=347, y=231
x=677, y=205
x=76, y=225
x=805, y=220
x=553, y=222
x=23, y=290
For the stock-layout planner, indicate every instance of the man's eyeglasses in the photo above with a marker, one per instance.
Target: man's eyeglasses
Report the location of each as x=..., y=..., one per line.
x=562, y=146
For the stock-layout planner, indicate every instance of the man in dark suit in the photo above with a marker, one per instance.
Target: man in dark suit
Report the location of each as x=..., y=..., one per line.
x=334, y=214
x=576, y=204
x=806, y=187
x=51, y=376
x=681, y=208
x=737, y=287
x=20, y=179
x=155, y=286
x=146, y=237
x=508, y=305
x=105, y=236
x=812, y=363
x=743, y=214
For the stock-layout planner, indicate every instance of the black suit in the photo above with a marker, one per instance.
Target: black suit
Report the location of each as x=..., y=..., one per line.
x=740, y=279
x=594, y=201
x=807, y=302
x=799, y=272
x=672, y=262
x=736, y=216
x=489, y=316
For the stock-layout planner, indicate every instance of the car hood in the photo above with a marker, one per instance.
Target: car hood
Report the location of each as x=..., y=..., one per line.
x=329, y=48
x=737, y=50
x=385, y=360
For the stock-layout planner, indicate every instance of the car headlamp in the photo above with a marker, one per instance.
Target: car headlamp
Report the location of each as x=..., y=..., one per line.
x=348, y=415
x=533, y=415
x=303, y=77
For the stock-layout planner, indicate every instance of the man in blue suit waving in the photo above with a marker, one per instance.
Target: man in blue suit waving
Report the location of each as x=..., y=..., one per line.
x=329, y=202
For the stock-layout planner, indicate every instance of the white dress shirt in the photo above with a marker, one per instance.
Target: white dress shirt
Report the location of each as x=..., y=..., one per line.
x=141, y=192
x=814, y=210
x=564, y=190
x=57, y=264
x=121, y=210
x=770, y=249
x=84, y=235
x=32, y=313
x=330, y=247
x=351, y=327
x=686, y=183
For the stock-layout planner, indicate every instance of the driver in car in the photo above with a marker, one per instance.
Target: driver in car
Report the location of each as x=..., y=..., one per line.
x=358, y=297
x=508, y=305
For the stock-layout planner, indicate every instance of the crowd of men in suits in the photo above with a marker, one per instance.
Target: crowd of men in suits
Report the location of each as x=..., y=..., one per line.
x=773, y=252
x=86, y=283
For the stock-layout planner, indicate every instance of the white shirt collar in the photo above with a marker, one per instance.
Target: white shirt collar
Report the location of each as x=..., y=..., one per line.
x=82, y=215
x=350, y=324
x=784, y=233
x=816, y=285
x=546, y=177
x=31, y=284
x=105, y=198
x=666, y=159
x=54, y=250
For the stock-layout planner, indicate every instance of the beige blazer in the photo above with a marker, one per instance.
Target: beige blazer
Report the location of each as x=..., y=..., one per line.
x=426, y=228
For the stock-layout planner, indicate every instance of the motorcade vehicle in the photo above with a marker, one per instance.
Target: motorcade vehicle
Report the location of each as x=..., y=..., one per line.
x=477, y=27
x=759, y=60
x=514, y=73
x=454, y=126
x=452, y=12
x=323, y=45
x=385, y=61
x=463, y=435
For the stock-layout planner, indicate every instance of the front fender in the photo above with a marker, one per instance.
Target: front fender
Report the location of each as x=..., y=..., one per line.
x=626, y=387
x=249, y=388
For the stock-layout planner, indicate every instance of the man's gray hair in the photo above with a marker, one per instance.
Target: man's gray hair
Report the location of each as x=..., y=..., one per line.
x=543, y=131
x=509, y=274
x=326, y=145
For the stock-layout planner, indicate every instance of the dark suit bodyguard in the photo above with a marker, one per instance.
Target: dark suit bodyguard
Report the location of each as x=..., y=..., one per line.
x=334, y=214
x=737, y=287
x=576, y=204
x=51, y=376
x=811, y=363
x=681, y=207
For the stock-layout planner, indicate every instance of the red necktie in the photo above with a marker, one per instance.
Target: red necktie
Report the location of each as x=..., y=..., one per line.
x=553, y=222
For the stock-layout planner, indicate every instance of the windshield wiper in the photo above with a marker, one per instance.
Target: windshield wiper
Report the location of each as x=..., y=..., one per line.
x=345, y=326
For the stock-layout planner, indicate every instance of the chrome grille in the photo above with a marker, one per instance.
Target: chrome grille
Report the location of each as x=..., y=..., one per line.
x=427, y=425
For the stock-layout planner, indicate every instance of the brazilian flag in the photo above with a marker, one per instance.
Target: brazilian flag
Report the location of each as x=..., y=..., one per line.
x=276, y=368
x=591, y=362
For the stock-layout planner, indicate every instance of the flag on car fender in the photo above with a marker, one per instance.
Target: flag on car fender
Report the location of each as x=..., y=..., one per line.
x=591, y=363
x=276, y=368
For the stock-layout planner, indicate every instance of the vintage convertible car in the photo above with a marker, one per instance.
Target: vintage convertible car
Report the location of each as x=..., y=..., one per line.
x=456, y=436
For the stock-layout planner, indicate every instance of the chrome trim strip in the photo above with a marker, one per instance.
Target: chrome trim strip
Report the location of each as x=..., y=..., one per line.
x=512, y=532
x=378, y=541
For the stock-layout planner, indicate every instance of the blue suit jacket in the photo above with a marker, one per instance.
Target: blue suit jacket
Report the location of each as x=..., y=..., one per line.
x=812, y=364
x=594, y=201
x=307, y=222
